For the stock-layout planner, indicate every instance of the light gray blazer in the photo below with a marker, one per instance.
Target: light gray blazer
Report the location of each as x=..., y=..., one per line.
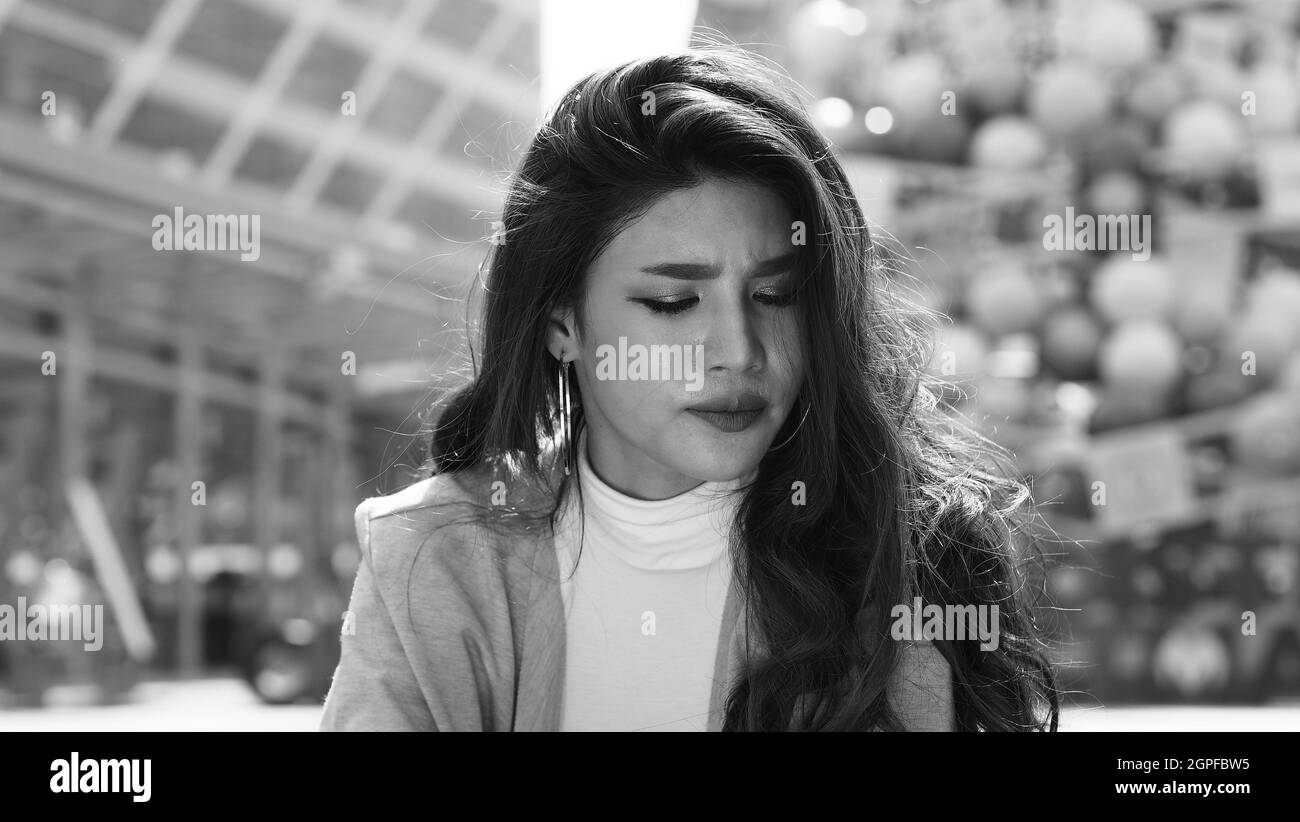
x=457, y=626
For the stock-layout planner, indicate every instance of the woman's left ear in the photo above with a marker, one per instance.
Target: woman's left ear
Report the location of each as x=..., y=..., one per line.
x=561, y=336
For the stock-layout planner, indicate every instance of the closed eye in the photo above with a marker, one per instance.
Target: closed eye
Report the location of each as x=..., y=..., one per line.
x=669, y=306
x=778, y=299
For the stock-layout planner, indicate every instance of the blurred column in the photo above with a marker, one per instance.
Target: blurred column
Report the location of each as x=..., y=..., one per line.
x=188, y=450
x=337, y=474
x=268, y=460
x=73, y=374
x=73, y=371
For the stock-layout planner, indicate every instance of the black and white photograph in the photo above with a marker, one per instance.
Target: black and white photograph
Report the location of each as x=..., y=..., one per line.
x=650, y=365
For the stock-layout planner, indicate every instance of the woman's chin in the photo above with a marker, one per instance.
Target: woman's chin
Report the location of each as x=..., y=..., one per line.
x=725, y=457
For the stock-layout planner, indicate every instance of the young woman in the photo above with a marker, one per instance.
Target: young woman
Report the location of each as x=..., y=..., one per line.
x=700, y=479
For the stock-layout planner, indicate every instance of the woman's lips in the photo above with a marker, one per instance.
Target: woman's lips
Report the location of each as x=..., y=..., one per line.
x=728, y=421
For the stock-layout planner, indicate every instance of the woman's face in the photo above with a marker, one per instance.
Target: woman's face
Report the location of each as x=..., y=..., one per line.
x=710, y=358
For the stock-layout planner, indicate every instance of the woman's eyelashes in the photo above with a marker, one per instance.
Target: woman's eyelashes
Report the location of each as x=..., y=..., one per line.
x=773, y=298
x=669, y=306
x=780, y=299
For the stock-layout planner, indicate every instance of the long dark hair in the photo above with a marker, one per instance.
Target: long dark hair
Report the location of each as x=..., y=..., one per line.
x=899, y=499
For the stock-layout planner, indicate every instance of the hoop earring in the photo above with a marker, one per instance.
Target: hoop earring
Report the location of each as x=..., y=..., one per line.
x=566, y=417
x=795, y=431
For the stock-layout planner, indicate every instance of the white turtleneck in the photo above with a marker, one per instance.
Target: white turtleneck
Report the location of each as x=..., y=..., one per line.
x=644, y=606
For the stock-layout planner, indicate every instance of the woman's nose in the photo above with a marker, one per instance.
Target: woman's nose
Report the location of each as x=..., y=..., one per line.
x=733, y=342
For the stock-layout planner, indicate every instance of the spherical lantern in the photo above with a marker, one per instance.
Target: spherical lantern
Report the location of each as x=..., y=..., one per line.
x=1199, y=313
x=1261, y=341
x=1116, y=192
x=1071, y=339
x=913, y=87
x=1004, y=300
x=1142, y=356
x=1069, y=97
x=1126, y=289
x=1156, y=92
x=1270, y=100
x=1010, y=143
x=1204, y=141
x=1118, y=35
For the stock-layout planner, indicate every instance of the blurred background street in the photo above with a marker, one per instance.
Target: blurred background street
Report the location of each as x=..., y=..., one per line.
x=228, y=705
x=1103, y=198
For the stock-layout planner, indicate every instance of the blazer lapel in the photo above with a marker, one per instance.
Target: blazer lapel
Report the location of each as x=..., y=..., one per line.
x=730, y=654
x=541, y=664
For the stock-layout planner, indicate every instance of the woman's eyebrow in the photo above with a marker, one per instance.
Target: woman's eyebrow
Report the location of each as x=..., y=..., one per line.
x=707, y=271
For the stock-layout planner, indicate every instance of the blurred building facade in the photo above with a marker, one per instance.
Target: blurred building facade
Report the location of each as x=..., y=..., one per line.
x=231, y=395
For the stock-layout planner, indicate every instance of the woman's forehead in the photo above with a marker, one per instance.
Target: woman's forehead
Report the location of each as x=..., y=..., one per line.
x=717, y=222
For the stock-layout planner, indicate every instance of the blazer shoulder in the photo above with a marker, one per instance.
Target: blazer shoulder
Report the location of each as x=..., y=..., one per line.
x=445, y=524
x=434, y=619
x=485, y=486
x=429, y=493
